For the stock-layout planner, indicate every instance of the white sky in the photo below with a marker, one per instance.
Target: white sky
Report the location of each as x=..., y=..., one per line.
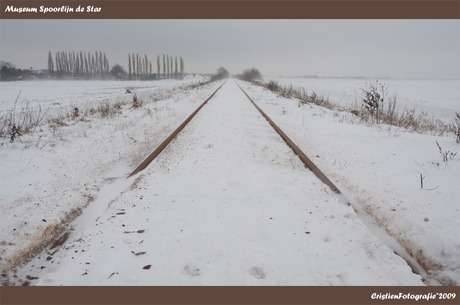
x=371, y=48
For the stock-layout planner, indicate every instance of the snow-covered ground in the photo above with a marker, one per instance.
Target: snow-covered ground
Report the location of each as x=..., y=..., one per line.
x=227, y=203
x=379, y=169
x=440, y=98
x=47, y=178
x=55, y=95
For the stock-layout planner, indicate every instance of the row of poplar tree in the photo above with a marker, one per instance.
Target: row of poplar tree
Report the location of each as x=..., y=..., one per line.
x=77, y=65
x=141, y=67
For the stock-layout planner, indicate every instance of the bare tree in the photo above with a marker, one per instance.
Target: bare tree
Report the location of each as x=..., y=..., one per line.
x=106, y=65
x=117, y=70
x=146, y=68
x=129, y=65
x=150, y=67
x=76, y=66
x=164, y=66
x=50, y=64
x=167, y=65
x=137, y=65
x=58, y=64
x=82, y=65
x=133, y=62
x=176, y=70
x=158, y=66
x=86, y=65
x=182, y=67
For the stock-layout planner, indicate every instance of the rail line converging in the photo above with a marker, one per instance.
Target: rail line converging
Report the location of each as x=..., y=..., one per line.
x=229, y=203
x=305, y=160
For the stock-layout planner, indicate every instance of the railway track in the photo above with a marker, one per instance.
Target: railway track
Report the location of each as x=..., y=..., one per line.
x=306, y=161
x=168, y=140
x=229, y=204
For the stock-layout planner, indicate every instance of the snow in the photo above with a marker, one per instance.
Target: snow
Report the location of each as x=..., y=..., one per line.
x=196, y=78
x=380, y=169
x=440, y=98
x=227, y=202
x=61, y=95
x=58, y=171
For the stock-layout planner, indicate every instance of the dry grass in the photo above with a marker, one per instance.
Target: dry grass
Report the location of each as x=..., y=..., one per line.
x=386, y=112
x=15, y=124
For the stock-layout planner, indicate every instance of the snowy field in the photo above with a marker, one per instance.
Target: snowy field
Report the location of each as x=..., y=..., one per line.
x=57, y=171
x=80, y=93
x=255, y=217
x=440, y=98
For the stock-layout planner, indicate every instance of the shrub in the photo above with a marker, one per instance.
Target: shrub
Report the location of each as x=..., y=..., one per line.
x=374, y=98
x=251, y=75
x=14, y=125
x=106, y=110
x=221, y=74
x=273, y=86
x=136, y=102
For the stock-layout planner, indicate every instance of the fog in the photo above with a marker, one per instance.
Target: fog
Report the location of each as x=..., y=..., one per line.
x=370, y=48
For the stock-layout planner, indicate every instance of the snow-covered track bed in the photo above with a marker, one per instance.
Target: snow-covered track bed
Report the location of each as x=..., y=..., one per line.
x=379, y=170
x=227, y=202
x=307, y=161
x=168, y=140
x=49, y=177
x=384, y=237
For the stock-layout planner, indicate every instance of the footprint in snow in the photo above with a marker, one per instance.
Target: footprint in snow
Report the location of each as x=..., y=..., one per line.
x=258, y=273
x=192, y=270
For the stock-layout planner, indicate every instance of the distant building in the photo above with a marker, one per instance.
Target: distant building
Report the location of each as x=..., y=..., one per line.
x=27, y=76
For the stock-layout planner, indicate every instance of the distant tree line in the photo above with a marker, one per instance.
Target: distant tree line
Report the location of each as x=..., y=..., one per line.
x=86, y=65
x=171, y=68
x=77, y=65
x=8, y=72
x=140, y=67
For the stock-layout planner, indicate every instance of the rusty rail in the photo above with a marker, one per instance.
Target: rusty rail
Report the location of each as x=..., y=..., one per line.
x=165, y=143
x=308, y=163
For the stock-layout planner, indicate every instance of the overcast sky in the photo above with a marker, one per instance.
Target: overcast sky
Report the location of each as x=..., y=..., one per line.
x=371, y=48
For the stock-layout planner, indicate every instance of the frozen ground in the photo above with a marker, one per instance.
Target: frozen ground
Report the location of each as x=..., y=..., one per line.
x=379, y=169
x=440, y=98
x=57, y=171
x=59, y=96
x=227, y=203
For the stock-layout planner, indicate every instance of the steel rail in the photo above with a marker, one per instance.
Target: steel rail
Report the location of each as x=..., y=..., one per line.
x=165, y=143
x=308, y=163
